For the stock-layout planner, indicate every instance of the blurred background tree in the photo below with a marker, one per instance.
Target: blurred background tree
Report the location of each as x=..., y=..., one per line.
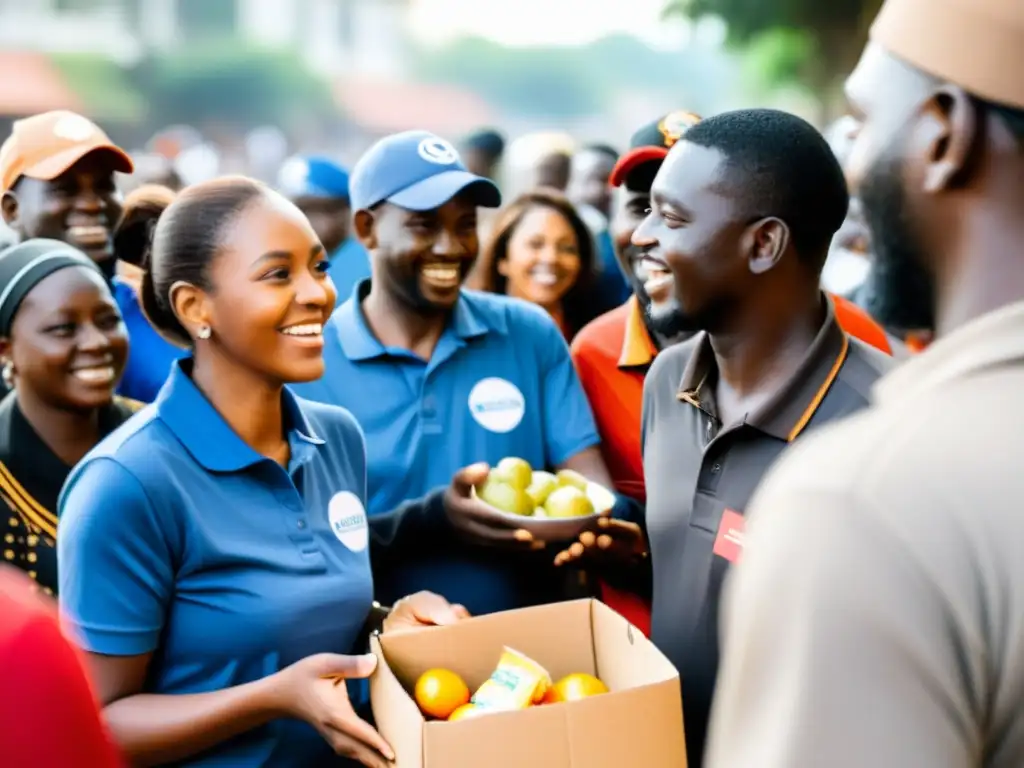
x=232, y=84
x=561, y=81
x=815, y=43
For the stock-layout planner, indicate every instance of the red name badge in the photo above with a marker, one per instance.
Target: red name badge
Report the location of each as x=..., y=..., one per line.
x=729, y=541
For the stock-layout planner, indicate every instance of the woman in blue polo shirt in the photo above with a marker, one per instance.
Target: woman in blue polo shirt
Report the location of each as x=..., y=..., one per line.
x=214, y=552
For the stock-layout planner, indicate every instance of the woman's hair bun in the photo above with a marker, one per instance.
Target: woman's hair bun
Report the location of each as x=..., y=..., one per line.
x=133, y=238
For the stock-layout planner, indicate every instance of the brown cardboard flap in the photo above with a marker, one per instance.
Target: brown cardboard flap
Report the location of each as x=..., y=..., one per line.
x=624, y=656
x=398, y=718
x=636, y=727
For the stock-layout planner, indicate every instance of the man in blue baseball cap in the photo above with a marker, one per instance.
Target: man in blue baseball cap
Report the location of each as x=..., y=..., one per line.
x=441, y=378
x=320, y=188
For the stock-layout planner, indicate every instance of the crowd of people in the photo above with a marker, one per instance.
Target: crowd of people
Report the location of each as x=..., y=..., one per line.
x=243, y=422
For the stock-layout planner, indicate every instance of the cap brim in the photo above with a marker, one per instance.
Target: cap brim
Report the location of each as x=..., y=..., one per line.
x=55, y=165
x=632, y=159
x=437, y=190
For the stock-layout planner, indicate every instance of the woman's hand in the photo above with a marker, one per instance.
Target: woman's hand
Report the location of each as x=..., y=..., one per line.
x=314, y=690
x=423, y=609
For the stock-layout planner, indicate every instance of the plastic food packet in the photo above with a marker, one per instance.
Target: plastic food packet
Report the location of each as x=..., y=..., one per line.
x=517, y=683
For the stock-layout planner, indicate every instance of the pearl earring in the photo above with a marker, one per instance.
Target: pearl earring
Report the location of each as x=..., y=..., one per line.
x=7, y=374
x=203, y=332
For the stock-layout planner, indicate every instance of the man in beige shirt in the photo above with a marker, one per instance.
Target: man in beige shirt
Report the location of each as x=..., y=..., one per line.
x=876, y=618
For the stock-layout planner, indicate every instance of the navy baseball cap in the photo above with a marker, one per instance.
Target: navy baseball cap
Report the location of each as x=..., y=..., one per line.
x=416, y=170
x=652, y=143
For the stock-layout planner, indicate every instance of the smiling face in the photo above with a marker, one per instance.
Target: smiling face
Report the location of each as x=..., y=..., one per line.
x=542, y=259
x=421, y=257
x=631, y=208
x=80, y=207
x=693, y=264
x=270, y=295
x=68, y=344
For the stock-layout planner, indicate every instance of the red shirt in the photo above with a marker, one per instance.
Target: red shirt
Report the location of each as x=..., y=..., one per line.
x=49, y=717
x=612, y=355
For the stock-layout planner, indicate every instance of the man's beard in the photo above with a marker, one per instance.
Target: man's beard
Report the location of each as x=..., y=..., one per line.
x=668, y=325
x=899, y=292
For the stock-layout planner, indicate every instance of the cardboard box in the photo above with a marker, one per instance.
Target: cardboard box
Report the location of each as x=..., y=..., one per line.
x=638, y=723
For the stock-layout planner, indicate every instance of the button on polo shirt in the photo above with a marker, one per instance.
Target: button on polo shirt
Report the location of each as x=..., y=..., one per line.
x=701, y=475
x=178, y=539
x=499, y=383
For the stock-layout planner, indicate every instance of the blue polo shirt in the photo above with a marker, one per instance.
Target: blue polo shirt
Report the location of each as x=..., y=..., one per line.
x=178, y=539
x=349, y=265
x=500, y=383
x=150, y=355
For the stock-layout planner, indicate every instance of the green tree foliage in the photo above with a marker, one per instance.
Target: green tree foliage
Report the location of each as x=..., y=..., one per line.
x=815, y=42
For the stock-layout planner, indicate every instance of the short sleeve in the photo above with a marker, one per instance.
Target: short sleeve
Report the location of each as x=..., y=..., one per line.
x=115, y=565
x=568, y=421
x=838, y=649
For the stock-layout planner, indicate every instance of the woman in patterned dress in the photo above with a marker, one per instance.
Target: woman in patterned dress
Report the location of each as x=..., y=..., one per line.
x=63, y=348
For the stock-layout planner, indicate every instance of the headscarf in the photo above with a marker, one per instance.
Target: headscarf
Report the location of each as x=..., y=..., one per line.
x=24, y=266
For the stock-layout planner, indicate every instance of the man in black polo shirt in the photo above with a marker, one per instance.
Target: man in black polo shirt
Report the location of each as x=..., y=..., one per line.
x=743, y=211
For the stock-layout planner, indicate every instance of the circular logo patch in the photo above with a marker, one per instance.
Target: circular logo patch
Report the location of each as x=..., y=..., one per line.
x=437, y=150
x=73, y=128
x=497, y=405
x=348, y=520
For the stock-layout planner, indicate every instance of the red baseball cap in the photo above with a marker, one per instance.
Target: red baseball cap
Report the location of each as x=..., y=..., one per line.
x=44, y=146
x=652, y=143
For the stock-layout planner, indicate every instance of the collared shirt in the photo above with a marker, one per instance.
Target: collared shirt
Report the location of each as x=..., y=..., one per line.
x=876, y=617
x=150, y=355
x=31, y=476
x=701, y=475
x=499, y=383
x=178, y=539
x=612, y=355
x=349, y=265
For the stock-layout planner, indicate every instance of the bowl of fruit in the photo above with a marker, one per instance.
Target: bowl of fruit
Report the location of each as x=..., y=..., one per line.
x=552, y=506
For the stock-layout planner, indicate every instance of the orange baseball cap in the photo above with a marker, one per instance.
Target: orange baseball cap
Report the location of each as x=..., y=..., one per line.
x=44, y=146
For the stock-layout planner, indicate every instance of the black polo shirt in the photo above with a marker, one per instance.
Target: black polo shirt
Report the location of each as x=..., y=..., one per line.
x=701, y=475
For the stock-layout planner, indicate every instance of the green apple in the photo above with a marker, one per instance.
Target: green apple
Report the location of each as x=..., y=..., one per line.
x=541, y=487
x=568, y=501
x=570, y=478
x=515, y=472
x=507, y=498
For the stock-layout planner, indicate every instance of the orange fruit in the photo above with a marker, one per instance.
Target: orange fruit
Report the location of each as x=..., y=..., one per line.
x=574, y=687
x=439, y=692
x=465, y=712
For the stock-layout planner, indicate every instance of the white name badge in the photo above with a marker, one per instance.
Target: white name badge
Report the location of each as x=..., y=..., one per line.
x=497, y=405
x=348, y=521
